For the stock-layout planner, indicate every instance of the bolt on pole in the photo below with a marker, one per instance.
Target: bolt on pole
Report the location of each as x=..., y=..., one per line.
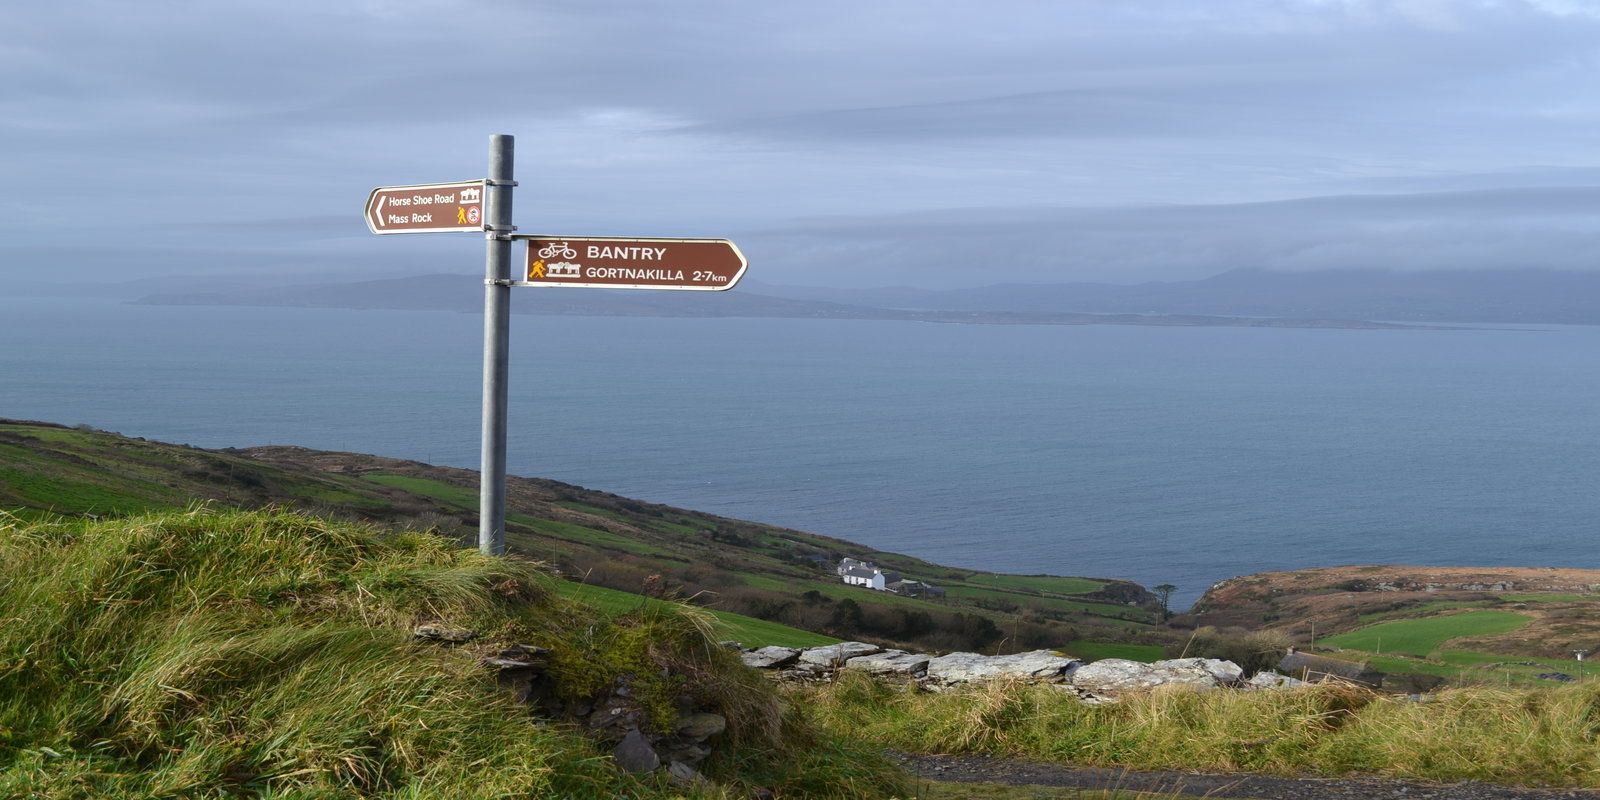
x=496, y=346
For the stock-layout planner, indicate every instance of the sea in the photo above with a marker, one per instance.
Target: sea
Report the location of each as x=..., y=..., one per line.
x=1181, y=455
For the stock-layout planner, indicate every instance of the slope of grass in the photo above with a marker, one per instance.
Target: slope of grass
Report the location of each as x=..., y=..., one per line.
x=736, y=566
x=210, y=654
x=1420, y=637
x=1523, y=736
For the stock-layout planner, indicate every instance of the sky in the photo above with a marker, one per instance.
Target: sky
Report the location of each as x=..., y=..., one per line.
x=929, y=143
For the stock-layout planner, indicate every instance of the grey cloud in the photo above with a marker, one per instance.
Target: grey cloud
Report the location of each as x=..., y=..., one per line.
x=196, y=133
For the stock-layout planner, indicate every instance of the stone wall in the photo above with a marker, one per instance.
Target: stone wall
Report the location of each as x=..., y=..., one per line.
x=1095, y=682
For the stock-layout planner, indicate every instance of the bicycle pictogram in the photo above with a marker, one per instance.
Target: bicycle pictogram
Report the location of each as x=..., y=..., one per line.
x=557, y=250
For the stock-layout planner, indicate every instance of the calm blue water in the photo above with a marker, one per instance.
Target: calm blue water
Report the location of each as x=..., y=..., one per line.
x=1180, y=455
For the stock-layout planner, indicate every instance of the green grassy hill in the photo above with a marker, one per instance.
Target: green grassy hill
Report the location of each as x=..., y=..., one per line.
x=271, y=654
x=747, y=572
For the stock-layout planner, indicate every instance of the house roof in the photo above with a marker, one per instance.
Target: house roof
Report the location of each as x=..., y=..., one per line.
x=859, y=572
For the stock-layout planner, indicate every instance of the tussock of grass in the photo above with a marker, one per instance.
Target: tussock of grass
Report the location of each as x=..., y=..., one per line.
x=212, y=654
x=1548, y=736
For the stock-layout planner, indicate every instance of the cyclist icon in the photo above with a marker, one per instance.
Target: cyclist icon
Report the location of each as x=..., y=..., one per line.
x=557, y=250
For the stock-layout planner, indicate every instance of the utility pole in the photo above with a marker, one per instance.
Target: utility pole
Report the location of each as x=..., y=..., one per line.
x=496, y=345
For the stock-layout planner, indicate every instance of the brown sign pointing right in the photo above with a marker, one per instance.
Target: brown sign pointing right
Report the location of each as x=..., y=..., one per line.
x=603, y=262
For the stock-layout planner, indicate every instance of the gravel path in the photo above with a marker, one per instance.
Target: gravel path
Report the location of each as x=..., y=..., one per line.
x=983, y=769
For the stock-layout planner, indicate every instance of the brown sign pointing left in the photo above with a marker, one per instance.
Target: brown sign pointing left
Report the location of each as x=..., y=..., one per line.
x=426, y=208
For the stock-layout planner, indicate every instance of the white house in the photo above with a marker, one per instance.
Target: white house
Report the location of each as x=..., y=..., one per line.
x=862, y=573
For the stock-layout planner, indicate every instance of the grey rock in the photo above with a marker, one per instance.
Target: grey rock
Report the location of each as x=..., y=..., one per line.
x=440, y=633
x=701, y=726
x=896, y=663
x=1086, y=697
x=1225, y=673
x=635, y=755
x=1271, y=680
x=678, y=750
x=1040, y=665
x=731, y=645
x=1114, y=675
x=511, y=665
x=684, y=776
x=835, y=655
x=614, y=716
x=1111, y=676
x=772, y=657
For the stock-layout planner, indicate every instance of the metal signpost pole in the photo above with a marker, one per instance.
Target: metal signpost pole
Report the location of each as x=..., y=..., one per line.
x=597, y=262
x=496, y=344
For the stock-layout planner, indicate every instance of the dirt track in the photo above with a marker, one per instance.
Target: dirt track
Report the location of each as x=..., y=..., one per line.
x=982, y=769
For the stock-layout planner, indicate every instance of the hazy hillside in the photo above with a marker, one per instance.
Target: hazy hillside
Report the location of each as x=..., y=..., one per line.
x=998, y=305
x=1492, y=296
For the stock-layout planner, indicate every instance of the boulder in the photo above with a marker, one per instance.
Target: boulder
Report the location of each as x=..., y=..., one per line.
x=896, y=663
x=770, y=657
x=835, y=655
x=635, y=755
x=1039, y=665
x=1111, y=676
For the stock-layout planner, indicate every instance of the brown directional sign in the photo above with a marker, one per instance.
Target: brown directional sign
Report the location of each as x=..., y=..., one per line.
x=427, y=208
x=603, y=262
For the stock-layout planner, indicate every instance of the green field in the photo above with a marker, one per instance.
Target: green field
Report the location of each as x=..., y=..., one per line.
x=1094, y=651
x=1044, y=584
x=748, y=631
x=454, y=495
x=1421, y=637
x=1428, y=608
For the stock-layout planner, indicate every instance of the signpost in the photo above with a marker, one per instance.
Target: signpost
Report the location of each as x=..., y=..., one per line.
x=605, y=262
x=426, y=208
x=595, y=262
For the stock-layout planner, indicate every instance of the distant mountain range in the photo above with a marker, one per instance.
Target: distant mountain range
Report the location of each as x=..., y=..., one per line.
x=1490, y=296
x=1333, y=298
x=465, y=294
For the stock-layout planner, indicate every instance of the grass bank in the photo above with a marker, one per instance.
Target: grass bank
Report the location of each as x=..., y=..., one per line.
x=1519, y=736
x=269, y=654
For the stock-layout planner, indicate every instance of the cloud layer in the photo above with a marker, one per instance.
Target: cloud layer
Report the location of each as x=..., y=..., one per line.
x=1134, y=140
